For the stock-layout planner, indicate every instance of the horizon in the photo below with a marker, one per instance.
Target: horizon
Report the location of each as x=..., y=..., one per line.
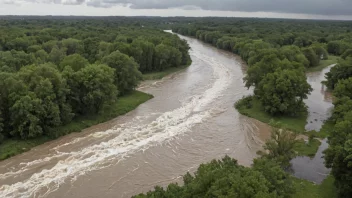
x=300, y=9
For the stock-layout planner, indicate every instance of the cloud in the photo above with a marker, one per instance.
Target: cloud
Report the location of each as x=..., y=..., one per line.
x=322, y=7
x=318, y=7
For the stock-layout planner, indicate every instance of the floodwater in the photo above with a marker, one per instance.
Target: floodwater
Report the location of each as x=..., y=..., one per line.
x=319, y=102
x=320, y=107
x=190, y=121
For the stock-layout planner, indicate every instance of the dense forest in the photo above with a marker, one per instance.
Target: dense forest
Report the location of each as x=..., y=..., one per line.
x=53, y=70
x=278, y=52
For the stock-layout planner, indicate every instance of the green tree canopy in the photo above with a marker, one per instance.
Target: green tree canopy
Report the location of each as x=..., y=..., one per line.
x=283, y=91
x=127, y=75
x=75, y=61
x=92, y=87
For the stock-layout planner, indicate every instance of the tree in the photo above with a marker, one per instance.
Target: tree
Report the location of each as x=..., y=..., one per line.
x=342, y=107
x=72, y=46
x=25, y=116
x=338, y=156
x=294, y=54
x=344, y=88
x=310, y=54
x=320, y=51
x=280, y=181
x=10, y=85
x=225, y=178
x=92, y=87
x=90, y=48
x=280, y=146
x=338, y=47
x=56, y=55
x=15, y=60
x=144, y=54
x=50, y=88
x=49, y=45
x=75, y=61
x=343, y=70
x=283, y=91
x=255, y=73
x=348, y=53
x=127, y=75
x=41, y=56
x=1, y=127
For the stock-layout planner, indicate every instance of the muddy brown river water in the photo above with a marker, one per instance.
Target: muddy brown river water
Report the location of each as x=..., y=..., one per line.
x=190, y=121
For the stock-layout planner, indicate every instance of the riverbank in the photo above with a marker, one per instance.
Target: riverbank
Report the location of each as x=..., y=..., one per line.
x=324, y=63
x=253, y=108
x=304, y=147
x=123, y=105
x=166, y=72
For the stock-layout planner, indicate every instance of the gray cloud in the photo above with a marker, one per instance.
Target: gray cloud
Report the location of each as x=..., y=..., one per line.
x=319, y=7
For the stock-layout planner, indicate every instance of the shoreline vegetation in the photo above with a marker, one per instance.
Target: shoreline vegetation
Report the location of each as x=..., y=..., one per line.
x=324, y=63
x=121, y=106
x=56, y=79
x=251, y=107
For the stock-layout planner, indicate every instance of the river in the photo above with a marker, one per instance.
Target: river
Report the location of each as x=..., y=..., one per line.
x=190, y=121
x=320, y=106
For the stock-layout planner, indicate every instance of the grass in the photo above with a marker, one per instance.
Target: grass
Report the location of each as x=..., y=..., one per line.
x=253, y=108
x=324, y=63
x=306, y=189
x=307, y=148
x=162, y=74
x=296, y=124
x=324, y=131
x=122, y=106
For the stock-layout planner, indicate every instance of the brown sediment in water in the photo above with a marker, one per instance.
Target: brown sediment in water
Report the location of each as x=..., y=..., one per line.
x=190, y=121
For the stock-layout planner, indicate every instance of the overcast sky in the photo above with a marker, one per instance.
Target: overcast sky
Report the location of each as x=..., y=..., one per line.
x=320, y=9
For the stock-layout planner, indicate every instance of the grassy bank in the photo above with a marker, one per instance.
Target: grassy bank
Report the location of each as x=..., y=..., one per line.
x=324, y=63
x=162, y=74
x=309, y=148
x=308, y=189
x=324, y=131
x=123, y=105
x=256, y=111
x=296, y=124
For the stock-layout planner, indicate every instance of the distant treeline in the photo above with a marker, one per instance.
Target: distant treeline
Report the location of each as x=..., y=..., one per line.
x=52, y=70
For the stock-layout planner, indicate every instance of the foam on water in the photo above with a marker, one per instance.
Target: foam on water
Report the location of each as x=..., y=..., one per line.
x=129, y=139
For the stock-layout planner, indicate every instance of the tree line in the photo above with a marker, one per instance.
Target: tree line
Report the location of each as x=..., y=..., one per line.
x=52, y=71
x=338, y=156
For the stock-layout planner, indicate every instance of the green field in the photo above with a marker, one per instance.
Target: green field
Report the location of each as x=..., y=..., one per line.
x=324, y=63
x=307, y=149
x=122, y=106
x=306, y=189
x=296, y=124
